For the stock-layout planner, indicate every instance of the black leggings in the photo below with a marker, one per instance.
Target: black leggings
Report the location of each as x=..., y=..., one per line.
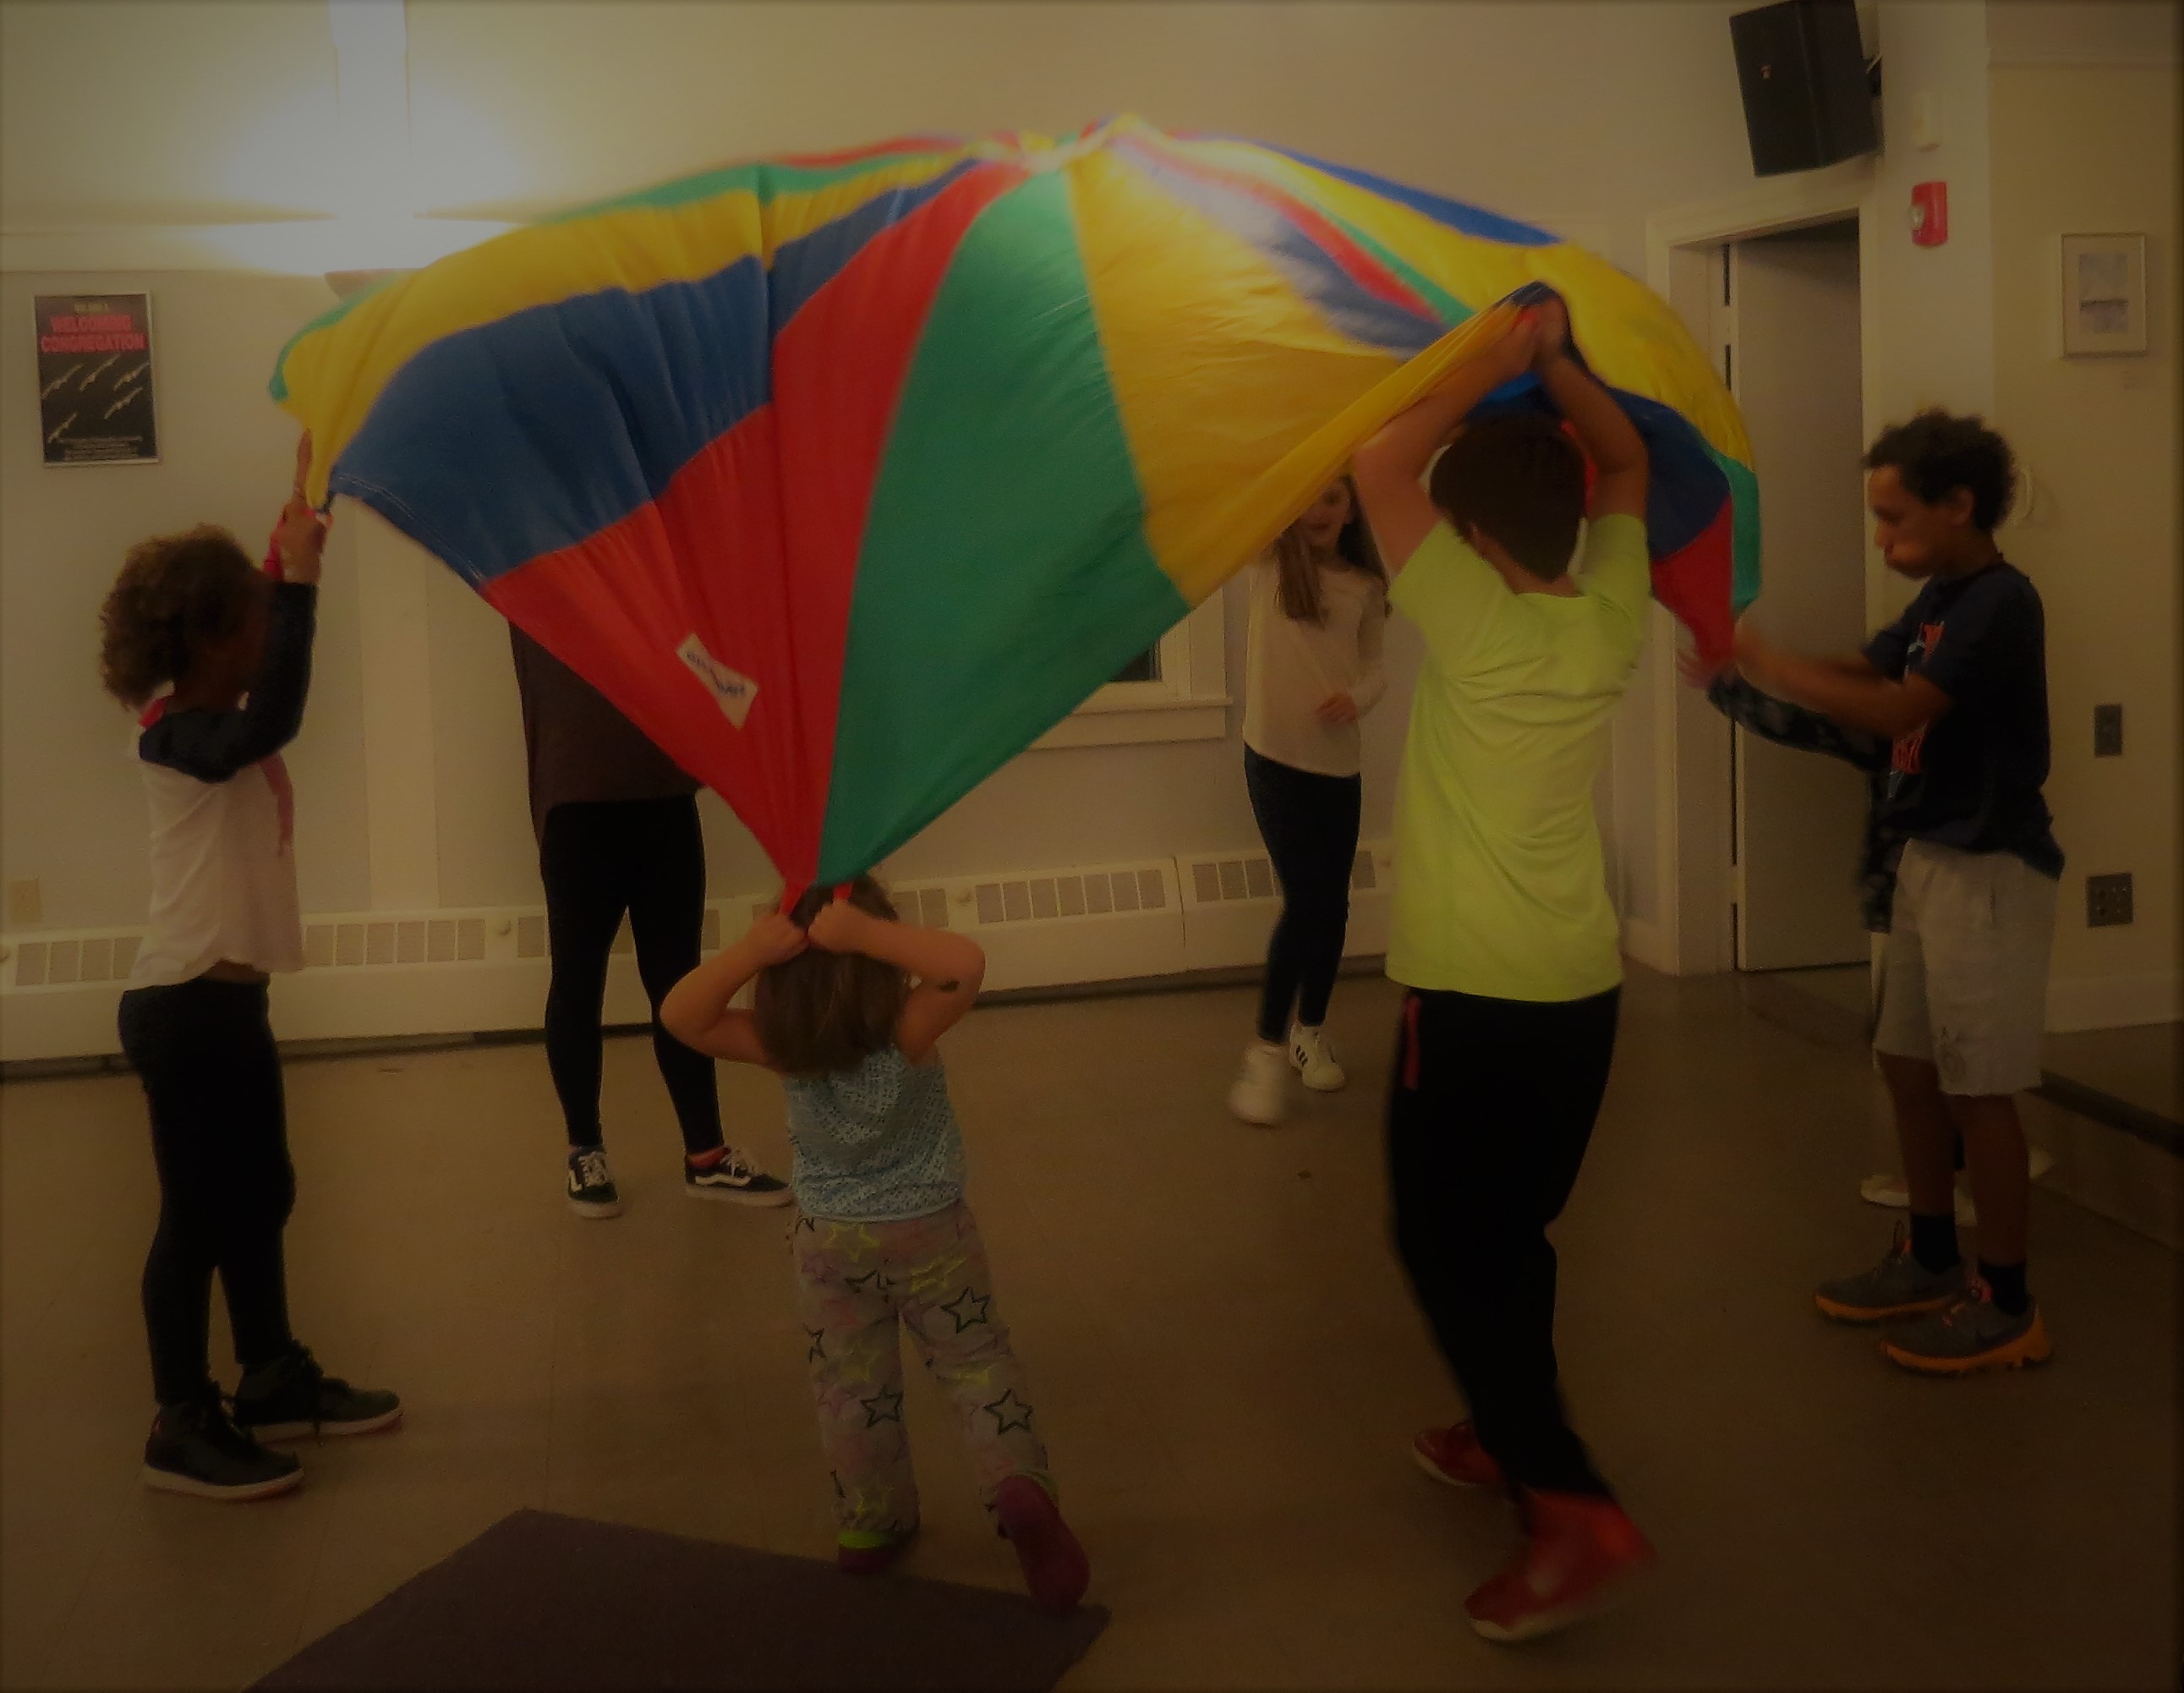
x=1310, y=826
x=600, y=859
x=212, y=1077
x=1488, y=1115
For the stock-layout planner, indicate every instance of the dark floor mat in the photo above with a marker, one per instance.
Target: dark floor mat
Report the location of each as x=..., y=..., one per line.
x=543, y=1600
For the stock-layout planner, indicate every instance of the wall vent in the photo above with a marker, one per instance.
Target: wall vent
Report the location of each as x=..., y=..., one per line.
x=1072, y=894
x=1221, y=880
x=78, y=961
x=1232, y=898
x=373, y=974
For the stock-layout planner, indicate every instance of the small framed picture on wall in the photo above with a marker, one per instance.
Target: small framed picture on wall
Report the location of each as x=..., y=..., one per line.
x=2103, y=294
x=95, y=379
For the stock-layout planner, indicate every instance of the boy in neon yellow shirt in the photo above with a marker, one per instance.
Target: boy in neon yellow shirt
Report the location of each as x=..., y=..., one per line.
x=1502, y=926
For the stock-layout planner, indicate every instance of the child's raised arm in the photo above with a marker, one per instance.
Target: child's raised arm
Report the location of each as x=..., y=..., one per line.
x=1609, y=436
x=696, y=1010
x=948, y=969
x=1387, y=468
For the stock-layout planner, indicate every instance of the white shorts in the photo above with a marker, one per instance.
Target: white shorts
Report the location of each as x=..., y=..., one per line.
x=1963, y=971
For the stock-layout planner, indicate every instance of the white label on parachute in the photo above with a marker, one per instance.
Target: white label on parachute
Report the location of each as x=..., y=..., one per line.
x=734, y=693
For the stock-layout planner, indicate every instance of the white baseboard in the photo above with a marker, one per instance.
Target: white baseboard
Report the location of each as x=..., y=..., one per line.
x=2114, y=1001
x=386, y=975
x=499, y=992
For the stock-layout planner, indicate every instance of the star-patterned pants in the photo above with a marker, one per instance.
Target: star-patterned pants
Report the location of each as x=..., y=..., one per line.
x=855, y=1282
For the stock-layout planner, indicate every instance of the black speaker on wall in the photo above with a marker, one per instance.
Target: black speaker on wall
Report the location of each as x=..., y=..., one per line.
x=1807, y=99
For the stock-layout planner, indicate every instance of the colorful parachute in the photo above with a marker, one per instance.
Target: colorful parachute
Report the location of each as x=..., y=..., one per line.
x=848, y=477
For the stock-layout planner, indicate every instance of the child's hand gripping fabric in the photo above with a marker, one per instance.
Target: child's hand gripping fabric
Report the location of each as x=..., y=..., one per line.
x=947, y=968
x=299, y=539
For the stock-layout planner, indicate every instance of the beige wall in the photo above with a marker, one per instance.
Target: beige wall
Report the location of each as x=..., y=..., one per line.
x=72, y=809
x=2082, y=148
x=1582, y=115
x=1589, y=116
x=1936, y=319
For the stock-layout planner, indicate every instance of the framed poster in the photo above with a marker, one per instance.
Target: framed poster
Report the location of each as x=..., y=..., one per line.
x=2103, y=294
x=95, y=379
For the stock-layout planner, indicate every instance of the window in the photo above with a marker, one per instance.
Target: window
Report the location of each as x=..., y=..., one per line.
x=1145, y=667
x=1175, y=691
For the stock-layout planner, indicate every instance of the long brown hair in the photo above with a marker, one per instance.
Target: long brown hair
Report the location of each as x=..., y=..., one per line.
x=175, y=593
x=1297, y=589
x=824, y=1012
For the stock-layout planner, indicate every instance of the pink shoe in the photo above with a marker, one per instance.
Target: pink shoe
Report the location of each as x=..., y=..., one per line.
x=1056, y=1570
x=873, y=1559
x=1579, y=1552
x=1454, y=1456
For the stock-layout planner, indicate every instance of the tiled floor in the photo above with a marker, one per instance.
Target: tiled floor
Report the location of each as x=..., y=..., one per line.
x=1226, y=1361
x=1848, y=987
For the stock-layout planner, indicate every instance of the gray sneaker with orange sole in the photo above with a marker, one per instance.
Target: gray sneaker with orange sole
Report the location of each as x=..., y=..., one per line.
x=1899, y=1285
x=1973, y=1334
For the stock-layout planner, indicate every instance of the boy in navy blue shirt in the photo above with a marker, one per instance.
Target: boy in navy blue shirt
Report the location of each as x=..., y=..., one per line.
x=1958, y=683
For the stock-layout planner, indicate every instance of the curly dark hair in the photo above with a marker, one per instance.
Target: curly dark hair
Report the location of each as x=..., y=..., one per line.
x=1937, y=452
x=175, y=592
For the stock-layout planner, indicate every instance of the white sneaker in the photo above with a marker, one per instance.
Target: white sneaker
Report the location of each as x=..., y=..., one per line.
x=1890, y=1191
x=1261, y=1093
x=1311, y=1054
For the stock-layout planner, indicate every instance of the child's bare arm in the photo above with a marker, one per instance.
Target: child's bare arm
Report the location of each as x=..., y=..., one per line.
x=696, y=1010
x=947, y=967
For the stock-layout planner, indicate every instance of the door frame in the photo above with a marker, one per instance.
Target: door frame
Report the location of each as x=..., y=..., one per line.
x=1690, y=755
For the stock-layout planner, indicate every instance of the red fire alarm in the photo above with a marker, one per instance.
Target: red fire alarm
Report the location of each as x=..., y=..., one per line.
x=1929, y=214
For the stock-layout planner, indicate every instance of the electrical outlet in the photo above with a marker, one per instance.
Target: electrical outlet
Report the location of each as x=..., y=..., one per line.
x=2107, y=901
x=26, y=904
x=2108, y=732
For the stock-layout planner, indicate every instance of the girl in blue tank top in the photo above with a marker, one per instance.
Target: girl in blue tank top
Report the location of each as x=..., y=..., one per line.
x=847, y=1008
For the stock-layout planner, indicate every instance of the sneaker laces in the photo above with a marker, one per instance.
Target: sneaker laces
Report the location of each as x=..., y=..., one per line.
x=223, y=1435
x=297, y=1365
x=1976, y=1294
x=305, y=1368
x=733, y=1165
x=206, y=1415
x=592, y=1170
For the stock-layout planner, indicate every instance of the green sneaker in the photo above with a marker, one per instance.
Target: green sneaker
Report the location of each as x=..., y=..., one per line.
x=1899, y=1285
x=1974, y=1334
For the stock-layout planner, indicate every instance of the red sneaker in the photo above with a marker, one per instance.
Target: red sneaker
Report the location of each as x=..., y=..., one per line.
x=1056, y=1570
x=1454, y=1456
x=1579, y=1551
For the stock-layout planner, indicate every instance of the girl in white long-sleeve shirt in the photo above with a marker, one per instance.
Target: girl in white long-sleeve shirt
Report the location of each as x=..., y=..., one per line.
x=1320, y=606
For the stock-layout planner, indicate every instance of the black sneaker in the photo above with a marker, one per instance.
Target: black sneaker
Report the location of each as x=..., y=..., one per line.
x=592, y=1190
x=195, y=1449
x=292, y=1397
x=733, y=1177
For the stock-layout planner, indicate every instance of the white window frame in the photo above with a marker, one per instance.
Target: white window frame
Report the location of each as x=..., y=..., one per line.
x=1188, y=701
